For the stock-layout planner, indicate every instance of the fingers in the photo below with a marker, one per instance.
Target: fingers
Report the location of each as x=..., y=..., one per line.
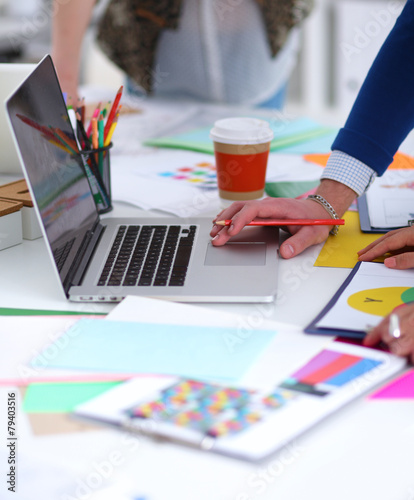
x=242, y=213
x=390, y=242
x=302, y=239
x=401, y=261
x=402, y=345
x=374, y=243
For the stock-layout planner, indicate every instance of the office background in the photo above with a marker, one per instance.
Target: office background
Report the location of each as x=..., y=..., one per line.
x=339, y=42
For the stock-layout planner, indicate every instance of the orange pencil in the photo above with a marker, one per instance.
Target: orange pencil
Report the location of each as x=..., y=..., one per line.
x=95, y=115
x=288, y=222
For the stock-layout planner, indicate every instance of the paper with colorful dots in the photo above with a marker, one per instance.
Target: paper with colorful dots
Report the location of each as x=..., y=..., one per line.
x=181, y=167
x=200, y=174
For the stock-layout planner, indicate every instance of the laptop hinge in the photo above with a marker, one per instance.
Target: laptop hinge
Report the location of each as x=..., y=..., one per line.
x=83, y=258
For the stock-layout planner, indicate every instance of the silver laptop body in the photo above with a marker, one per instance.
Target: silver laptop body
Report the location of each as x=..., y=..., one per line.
x=104, y=259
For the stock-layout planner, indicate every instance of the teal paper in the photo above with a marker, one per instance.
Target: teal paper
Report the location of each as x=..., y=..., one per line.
x=321, y=144
x=287, y=134
x=189, y=351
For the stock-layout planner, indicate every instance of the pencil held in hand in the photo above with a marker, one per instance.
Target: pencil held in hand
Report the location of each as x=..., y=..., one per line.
x=287, y=222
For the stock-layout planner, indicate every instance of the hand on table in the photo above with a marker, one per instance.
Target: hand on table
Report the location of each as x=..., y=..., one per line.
x=399, y=243
x=302, y=237
x=401, y=346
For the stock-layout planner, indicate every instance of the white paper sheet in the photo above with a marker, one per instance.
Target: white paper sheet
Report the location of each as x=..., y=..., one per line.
x=390, y=199
x=183, y=183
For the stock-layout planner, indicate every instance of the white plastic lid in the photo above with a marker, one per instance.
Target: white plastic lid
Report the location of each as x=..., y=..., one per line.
x=241, y=131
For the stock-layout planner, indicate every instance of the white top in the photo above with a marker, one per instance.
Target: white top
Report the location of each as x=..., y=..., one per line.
x=241, y=130
x=220, y=53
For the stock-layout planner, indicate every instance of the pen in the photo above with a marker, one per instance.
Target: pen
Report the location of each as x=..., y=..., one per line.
x=394, y=326
x=288, y=222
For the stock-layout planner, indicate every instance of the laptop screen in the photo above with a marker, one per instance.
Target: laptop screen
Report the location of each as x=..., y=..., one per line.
x=51, y=159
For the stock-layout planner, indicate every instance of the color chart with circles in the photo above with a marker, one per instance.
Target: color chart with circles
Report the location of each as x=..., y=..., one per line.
x=213, y=410
x=381, y=301
x=202, y=174
x=219, y=411
x=328, y=371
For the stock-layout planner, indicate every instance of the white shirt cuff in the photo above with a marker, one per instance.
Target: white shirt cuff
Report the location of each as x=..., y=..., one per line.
x=346, y=169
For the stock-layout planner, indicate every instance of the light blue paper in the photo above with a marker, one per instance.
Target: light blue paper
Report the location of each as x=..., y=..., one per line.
x=130, y=347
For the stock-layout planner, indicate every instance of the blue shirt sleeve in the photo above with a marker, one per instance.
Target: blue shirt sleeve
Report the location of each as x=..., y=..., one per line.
x=383, y=113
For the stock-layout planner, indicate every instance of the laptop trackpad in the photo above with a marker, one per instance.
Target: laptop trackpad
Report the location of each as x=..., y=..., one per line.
x=236, y=254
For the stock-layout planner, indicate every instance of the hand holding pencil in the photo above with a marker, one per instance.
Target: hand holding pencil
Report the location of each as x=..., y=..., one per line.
x=286, y=222
x=307, y=222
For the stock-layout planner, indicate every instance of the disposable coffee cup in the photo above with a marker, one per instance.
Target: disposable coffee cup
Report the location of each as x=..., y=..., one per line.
x=241, y=150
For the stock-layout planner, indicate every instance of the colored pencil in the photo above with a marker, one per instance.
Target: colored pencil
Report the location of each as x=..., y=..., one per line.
x=113, y=110
x=111, y=130
x=100, y=142
x=288, y=222
x=95, y=115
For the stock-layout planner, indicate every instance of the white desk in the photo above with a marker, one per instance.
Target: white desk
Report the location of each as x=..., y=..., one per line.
x=364, y=451
x=31, y=283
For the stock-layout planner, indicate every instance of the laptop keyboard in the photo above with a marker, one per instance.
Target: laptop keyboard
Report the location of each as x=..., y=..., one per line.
x=149, y=255
x=60, y=254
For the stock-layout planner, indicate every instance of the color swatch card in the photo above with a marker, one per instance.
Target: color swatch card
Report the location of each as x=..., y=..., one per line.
x=370, y=292
x=244, y=422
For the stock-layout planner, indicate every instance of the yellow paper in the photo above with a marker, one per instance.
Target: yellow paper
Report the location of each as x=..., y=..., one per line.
x=341, y=250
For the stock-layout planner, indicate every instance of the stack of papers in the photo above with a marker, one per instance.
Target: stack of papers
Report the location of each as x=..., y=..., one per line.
x=287, y=134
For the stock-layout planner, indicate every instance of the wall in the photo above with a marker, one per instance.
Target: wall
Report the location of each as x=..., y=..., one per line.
x=340, y=41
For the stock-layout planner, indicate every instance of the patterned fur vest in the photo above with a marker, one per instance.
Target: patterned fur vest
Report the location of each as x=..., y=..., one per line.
x=129, y=29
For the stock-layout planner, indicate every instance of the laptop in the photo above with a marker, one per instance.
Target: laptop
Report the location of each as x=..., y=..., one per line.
x=11, y=75
x=104, y=259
